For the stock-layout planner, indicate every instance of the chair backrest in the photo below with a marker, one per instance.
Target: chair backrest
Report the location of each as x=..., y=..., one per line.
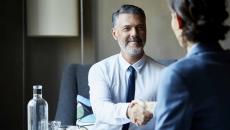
x=74, y=81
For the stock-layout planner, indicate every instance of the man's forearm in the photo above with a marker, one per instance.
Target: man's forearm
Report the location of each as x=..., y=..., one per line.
x=110, y=113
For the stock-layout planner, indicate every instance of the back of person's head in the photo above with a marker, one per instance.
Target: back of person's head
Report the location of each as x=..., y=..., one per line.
x=127, y=9
x=202, y=20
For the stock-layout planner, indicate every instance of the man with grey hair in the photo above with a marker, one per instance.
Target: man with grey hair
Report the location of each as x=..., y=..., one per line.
x=129, y=75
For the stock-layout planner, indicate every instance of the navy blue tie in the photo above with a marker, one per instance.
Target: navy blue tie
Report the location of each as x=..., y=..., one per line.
x=131, y=91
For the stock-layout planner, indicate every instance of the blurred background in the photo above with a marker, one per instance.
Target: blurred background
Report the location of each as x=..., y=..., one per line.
x=40, y=59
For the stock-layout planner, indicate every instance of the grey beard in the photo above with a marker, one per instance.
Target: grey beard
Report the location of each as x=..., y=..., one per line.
x=131, y=51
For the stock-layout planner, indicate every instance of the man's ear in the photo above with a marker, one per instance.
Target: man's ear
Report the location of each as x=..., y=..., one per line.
x=179, y=21
x=114, y=33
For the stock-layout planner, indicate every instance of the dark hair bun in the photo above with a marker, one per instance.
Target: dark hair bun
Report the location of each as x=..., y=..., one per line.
x=203, y=19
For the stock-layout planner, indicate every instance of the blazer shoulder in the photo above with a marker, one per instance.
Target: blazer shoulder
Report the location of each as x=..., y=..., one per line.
x=184, y=65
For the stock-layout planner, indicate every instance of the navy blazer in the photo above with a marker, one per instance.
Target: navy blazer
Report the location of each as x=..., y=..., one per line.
x=194, y=92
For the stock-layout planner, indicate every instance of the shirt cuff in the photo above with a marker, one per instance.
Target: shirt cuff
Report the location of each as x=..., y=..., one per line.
x=124, y=111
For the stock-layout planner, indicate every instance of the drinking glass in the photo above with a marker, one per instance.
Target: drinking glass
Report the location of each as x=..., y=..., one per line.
x=54, y=125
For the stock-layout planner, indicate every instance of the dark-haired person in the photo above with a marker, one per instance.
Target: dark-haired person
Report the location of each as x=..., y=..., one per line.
x=194, y=92
x=109, y=78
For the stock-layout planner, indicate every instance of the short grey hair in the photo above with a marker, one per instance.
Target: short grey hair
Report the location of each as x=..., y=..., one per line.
x=130, y=9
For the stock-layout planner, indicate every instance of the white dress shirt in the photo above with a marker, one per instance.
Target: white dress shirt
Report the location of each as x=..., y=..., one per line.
x=108, y=82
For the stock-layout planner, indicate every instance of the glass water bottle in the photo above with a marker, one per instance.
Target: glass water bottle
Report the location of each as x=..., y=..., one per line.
x=37, y=111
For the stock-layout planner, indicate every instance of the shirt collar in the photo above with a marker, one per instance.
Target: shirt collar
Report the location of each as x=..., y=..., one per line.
x=137, y=66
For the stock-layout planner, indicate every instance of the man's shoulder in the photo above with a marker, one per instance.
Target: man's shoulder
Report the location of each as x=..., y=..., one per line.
x=107, y=60
x=152, y=62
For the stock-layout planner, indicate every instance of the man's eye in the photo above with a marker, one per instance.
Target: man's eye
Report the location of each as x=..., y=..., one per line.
x=126, y=29
x=141, y=28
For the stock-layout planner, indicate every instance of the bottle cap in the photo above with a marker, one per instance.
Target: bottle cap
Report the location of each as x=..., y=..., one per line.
x=37, y=86
x=37, y=89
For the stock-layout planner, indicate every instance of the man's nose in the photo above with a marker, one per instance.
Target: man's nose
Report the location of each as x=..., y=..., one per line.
x=134, y=32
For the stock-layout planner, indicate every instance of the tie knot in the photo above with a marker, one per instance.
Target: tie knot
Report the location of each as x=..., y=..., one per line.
x=131, y=69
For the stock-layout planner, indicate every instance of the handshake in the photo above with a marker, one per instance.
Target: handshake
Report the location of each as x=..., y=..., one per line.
x=140, y=112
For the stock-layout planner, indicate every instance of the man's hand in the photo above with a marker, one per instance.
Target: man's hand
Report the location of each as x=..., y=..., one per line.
x=140, y=112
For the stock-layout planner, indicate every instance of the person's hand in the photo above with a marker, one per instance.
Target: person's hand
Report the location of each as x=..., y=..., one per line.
x=140, y=112
x=150, y=106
